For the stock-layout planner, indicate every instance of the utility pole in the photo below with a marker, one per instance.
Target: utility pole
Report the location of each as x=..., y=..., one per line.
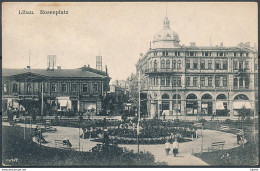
x=139, y=107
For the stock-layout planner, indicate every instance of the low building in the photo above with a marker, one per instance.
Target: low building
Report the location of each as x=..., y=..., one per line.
x=75, y=90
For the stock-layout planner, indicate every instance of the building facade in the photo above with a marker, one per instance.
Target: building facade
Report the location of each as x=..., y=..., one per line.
x=191, y=80
x=75, y=90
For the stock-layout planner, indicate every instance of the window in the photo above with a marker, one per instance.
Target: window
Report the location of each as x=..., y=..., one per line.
x=15, y=88
x=241, y=54
x=218, y=65
x=195, y=64
x=156, y=81
x=210, y=64
x=235, y=65
x=174, y=64
x=155, y=53
x=221, y=54
x=167, y=81
x=29, y=88
x=177, y=53
x=64, y=87
x=162, y=81
x=74, y=88
x=240, y=65
x=202, y=81
x=217, y=82
x=188, y=64
x=179, y=81
x=191, y=53
x=202, y=64
x=235, y=82
x=53, y=87
x=187, y=81
x=247, y=83
x=85, y=88
x=168, y=65
x=247, y=54
x=179, y=64
x=235, y=54
x=206, y=53
x=210, y=81
x=247, y=65
x=165, y=53
x=155, y=65
x=5, y=88
x=195, y=81
x=225, y=64
x=174, y=81
x=163, y=64
x=224, y=81
x=241, y=82
x=95, y=87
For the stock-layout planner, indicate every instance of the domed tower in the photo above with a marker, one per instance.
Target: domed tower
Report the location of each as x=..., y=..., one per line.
x=166, y=38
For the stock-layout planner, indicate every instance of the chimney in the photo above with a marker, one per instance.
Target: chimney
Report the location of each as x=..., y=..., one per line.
x=59, y=67
x=221, y=44
x=192, y=44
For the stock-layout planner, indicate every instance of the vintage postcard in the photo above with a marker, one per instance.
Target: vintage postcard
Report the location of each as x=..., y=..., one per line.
x=130, y=84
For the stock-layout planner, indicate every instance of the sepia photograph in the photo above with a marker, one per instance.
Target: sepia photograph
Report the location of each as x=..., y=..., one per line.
x=130, y=84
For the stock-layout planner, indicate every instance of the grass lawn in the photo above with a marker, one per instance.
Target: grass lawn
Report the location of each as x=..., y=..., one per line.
x=19, y=152
x=249, y=156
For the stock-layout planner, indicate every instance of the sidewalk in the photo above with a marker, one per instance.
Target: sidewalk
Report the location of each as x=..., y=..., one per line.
x=184, y=157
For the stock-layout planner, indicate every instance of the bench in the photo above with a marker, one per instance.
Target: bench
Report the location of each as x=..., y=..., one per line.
x=61, y=144
x=218, y=144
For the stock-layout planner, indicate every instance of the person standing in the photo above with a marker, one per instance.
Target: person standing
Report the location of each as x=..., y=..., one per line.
x=175, y=147
x=167, y=147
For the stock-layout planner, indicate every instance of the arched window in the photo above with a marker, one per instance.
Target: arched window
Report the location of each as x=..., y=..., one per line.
x=241, y=97
x=163, y=64
x=15, y=87
x=221, y=97
x=29, y=88
x=155, y=65
x=165, y=96
x=179, y=64
x=206, y=96
x=168, y=65
x=174, y=64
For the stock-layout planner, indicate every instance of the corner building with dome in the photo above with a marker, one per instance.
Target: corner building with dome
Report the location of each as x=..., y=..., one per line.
x=182, y=81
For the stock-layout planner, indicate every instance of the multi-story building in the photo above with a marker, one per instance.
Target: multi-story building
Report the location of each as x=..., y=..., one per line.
x=191, y=80
x=79, y=89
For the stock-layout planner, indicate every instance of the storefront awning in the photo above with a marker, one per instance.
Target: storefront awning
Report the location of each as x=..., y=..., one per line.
x=220, y=106
x=241, y=104
x=63, y=102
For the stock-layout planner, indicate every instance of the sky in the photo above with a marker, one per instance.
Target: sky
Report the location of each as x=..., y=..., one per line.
x=118, y=31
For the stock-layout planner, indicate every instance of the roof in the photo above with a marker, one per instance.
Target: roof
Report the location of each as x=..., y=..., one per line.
x=61, y=73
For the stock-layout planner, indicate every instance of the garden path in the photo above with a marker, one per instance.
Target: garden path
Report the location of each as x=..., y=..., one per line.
x=184, y=157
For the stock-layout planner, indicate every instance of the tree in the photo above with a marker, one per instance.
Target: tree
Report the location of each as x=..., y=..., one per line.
x=244, y=113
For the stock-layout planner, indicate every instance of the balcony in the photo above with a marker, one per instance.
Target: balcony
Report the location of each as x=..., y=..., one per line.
x=169, y=70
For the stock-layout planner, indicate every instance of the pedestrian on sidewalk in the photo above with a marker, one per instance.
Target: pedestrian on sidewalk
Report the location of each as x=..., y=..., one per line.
x=175, y=147
x=167, y=147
